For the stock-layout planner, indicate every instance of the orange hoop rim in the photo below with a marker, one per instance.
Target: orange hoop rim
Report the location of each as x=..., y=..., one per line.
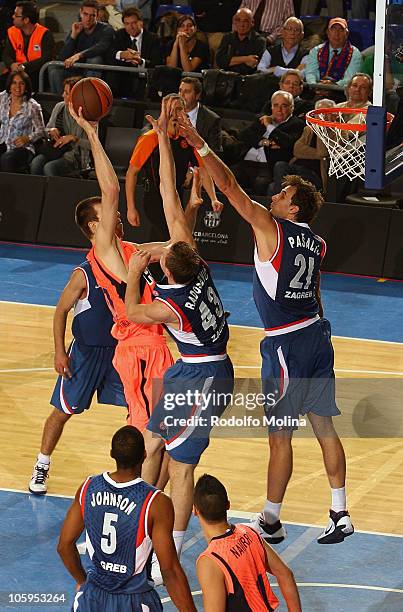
x=311, y=118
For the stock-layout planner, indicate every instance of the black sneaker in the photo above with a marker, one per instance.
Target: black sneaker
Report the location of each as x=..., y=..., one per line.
x=37, y=484
x=272, y=534
x=338, y=528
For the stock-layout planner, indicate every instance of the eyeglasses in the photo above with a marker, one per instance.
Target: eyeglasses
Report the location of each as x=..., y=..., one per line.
x=289, y=29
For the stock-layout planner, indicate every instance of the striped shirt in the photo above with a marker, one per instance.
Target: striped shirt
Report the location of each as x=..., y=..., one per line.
x=274, y=14
x=27, y=122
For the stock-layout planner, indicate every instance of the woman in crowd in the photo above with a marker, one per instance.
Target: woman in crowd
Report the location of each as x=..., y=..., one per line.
x=21, y=123
x=67, y=150
x=187, y=52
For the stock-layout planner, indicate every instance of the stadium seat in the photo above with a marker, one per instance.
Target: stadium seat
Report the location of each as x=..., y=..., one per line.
x=362, y=33
x=164, y=8
x=119, y=144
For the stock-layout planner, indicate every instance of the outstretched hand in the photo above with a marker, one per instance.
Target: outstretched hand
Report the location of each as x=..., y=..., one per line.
x=139, y=261
x=88, y=126
x=160, y=125
x=187, y=130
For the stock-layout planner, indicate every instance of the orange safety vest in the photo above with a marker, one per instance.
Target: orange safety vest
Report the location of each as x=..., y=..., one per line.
x=34, y=45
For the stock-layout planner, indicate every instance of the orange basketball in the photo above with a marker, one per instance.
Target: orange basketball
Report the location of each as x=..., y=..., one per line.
x=94, y=96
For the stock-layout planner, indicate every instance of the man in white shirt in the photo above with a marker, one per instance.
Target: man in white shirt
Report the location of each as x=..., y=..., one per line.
x=207, y=123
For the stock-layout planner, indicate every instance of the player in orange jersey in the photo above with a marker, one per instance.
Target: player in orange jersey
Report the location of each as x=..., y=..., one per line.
x=232, y=569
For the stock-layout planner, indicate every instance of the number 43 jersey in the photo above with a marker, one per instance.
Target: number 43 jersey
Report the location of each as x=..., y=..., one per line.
x=203, y=330
x=284, y=288
x=117, y=538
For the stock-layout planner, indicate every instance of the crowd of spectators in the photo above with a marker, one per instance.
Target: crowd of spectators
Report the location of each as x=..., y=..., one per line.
x=242, y=37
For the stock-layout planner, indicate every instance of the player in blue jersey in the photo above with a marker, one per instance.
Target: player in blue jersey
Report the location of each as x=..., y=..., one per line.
x=297, y=353
x=85, y=368
x=124, y=518
x=199, y=385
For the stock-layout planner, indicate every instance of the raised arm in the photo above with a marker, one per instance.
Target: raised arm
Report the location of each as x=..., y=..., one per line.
x=174, y=214
x=108, y=183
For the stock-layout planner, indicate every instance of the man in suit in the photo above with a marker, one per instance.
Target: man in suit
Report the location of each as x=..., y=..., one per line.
x=207, y=123
x=267, y=140
x=133, y=46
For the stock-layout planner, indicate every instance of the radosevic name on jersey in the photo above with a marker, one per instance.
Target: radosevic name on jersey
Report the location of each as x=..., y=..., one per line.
x=92, y=320
x=118, y=543
x=284, y=288
x=203, y=330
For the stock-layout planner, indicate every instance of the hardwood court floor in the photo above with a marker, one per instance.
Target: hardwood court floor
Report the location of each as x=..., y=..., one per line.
x=375, y=484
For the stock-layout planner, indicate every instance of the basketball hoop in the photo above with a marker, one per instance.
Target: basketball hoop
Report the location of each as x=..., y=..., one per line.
x=345, y=142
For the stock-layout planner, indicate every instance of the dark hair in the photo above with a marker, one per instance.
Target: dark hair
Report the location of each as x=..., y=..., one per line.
x=306, y=197
x=29, y=10
x=71, y=80
x=85, y=213
x=183, y=262
x=128, y=447
x=184, y=18
x=197, y=86
x=90, y=4
x=132, y=11
x=211, y=499
x=25, y=78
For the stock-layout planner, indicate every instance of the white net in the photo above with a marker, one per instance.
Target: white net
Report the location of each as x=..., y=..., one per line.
x=346, y=145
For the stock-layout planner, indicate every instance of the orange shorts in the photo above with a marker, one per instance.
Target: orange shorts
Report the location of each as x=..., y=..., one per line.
x=141, y=362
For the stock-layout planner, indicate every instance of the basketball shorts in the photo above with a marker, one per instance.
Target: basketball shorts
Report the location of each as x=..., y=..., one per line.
x=193, y=394
x=92, y=598
x=298, y=375
x=92, y=370
x=141, y=367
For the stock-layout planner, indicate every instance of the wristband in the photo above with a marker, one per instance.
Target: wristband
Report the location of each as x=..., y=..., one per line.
x=205, y=150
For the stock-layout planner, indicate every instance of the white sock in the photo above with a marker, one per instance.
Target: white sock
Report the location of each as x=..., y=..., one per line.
x=271, y=512
x=339, y=501
x=45, y=459
x=178, y=537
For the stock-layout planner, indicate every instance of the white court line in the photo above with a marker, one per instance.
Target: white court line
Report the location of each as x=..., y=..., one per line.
x=231, y=325
x=258, y=367
x=325, y=585
x=26, y=370
x=231, y=513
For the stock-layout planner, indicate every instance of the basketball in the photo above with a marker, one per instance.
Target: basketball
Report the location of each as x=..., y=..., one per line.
x=94, y=96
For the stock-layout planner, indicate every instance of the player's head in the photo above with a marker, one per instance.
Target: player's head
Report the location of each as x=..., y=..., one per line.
x=298, y=200
x=210, y=500
x=128, y=448
x=177, y=107
x=88, y=215
x=180, y=263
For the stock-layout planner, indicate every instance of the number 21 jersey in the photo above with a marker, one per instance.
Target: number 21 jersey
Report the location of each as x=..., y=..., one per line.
x=284, y=288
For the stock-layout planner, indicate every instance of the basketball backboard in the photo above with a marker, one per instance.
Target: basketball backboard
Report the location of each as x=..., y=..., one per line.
x=384, y=159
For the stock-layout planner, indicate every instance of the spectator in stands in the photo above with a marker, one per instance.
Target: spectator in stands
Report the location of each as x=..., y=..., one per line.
x=241, y=50
x=311, y=159
x=278, y=58
x=21, y=123
x=207, y=123
x=269, y=139
x=214, y=18
x=292, y=82
x=334, y=7
x=102, y=14
x=269, y=16
x=186, y=51
x=358, y=93
x=133, y=46
x=66, y=151
x=336, y=60
x=88, y=41
x=29, y=44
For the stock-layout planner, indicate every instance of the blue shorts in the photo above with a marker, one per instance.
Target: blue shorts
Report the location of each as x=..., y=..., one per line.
x=193, y=394
x=92, y=370
x=298, y=375
x=92, y=598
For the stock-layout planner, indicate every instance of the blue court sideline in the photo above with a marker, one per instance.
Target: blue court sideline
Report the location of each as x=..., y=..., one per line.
x=361, y=575
x=36, y=275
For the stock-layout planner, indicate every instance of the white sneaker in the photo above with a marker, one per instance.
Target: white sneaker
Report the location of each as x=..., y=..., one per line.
x=156, y=572
x=339, y=527
x=37, y=484
x=272, y=534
